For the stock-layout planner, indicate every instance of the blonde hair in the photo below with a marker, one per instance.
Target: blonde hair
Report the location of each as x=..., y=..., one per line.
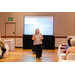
x=72, y=42
x=36, y=30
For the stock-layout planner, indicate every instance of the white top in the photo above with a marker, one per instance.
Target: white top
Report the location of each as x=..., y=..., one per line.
x=38, y=39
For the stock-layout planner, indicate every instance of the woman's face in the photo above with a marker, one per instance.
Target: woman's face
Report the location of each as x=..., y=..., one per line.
x=37, y=31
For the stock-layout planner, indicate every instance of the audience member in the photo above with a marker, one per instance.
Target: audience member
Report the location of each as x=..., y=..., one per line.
x=2, y=48
x=71, y=50
x=69, y=44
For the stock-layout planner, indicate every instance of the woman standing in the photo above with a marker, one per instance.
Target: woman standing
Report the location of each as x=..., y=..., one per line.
x=37, y=37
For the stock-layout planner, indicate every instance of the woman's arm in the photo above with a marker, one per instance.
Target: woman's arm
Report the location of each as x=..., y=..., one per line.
x=33, y=38
x=41, y=37
x=3, y=43
x=67, y=52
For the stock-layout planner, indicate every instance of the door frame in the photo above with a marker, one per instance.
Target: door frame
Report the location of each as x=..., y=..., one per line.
x=15, y=29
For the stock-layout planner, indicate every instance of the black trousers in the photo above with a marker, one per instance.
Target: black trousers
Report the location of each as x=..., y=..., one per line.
x=34, y=48
x=38, y=50
x=3, y=50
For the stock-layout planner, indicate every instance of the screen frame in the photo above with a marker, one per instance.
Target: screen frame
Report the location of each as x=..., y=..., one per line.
x=38, y=16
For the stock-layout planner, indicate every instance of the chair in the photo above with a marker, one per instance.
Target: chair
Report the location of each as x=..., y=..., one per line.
x=61, y=57
x=70, y=57
x=64, y=45
x=61, y=51
x=67, y=60
x=10, y=43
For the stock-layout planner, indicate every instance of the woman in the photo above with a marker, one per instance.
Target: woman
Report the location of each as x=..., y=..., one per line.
x=71, y=49
x=69, y=44
x=2, y=47
x=37, y=37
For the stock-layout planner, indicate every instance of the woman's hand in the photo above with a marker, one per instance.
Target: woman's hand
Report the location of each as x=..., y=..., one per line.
x=41, y=39
x=33, y=38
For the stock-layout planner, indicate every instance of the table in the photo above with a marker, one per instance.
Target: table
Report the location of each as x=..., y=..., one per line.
x=11, y=44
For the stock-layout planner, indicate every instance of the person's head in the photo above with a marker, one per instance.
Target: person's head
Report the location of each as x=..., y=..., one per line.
x=37, y=31
x=68, y=41
x=72, y=42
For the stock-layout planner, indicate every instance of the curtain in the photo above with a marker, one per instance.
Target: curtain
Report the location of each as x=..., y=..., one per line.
x=48, y=42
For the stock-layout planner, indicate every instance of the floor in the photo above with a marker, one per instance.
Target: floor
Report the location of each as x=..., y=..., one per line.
x=26, y=55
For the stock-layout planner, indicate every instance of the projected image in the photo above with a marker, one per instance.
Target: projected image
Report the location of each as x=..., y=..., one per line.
x=43, y=23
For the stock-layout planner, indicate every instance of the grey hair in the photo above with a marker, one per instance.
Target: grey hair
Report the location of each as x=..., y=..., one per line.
x=72, y=42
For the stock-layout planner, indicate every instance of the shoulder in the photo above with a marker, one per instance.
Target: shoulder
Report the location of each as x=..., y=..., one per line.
x=70, y=48
x=34, y=34
x=40, y=34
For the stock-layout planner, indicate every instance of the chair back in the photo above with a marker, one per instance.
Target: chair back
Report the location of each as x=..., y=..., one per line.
x=61, y=49
x=70, y=57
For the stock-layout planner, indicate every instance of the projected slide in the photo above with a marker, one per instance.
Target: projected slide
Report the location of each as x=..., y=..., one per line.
x=43, y=23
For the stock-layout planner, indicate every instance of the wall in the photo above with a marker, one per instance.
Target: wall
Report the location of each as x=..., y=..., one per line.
x=63, y=24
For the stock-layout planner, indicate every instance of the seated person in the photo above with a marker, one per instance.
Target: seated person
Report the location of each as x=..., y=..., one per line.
x=69, y=44
x=2, y=47
x=71, y=50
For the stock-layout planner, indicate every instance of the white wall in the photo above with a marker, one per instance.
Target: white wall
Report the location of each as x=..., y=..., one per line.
x=63, y=24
